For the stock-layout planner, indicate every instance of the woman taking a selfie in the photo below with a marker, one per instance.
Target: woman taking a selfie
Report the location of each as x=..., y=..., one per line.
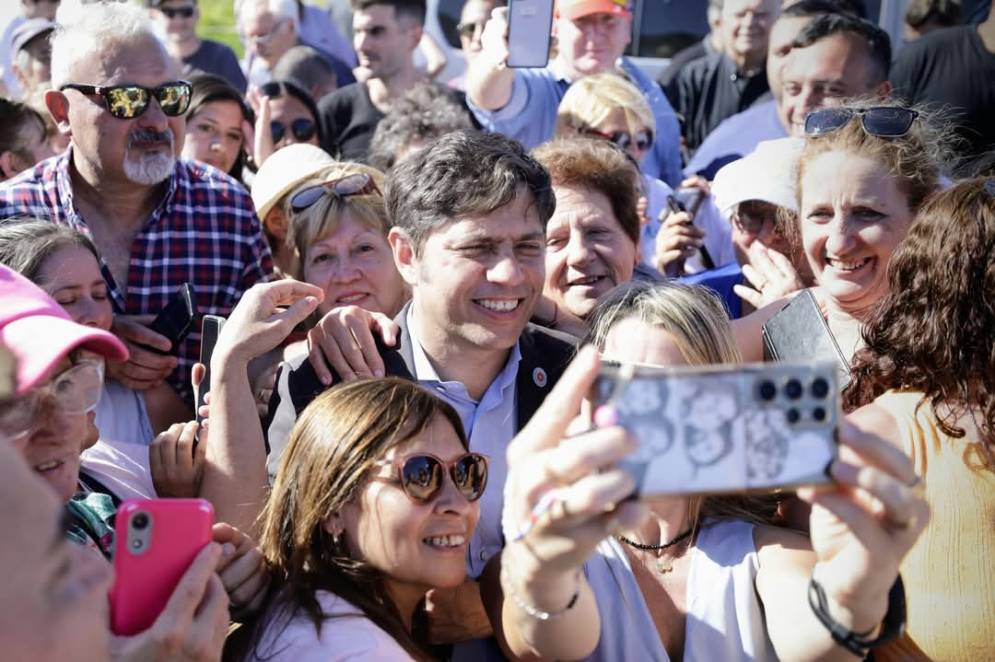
x=926, y=382
x=707, y=578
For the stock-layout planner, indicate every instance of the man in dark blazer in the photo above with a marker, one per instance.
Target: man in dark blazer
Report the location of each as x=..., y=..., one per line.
x=469, y=214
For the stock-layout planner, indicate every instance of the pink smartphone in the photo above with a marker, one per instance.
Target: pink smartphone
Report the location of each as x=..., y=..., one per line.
x=156, y=541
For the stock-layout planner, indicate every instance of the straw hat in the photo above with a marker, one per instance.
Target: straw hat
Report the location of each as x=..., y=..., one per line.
x=284, y=170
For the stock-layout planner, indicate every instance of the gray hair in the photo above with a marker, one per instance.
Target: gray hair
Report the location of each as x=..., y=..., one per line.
x=98, y=27
x=463, y=173
x=280, y=9
x=425, y=112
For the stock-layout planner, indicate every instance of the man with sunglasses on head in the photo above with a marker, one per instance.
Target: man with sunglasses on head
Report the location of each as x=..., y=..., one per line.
x=158, y=221
x=591, y=36
x=178, y=20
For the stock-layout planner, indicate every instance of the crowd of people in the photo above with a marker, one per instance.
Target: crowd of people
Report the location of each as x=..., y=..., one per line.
x=422, y=281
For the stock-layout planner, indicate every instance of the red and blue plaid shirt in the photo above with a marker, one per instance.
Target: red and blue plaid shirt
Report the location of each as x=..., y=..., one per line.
x=204, y=232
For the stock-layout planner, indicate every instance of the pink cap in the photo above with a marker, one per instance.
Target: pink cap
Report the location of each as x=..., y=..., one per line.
x=573, y=9
x=40, y=333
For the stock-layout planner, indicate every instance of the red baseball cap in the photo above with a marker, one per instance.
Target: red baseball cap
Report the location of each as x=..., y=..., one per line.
x=573, y=9
x=39, y=332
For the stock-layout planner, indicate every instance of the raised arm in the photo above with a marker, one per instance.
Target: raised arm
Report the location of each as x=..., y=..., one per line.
x=489, y=81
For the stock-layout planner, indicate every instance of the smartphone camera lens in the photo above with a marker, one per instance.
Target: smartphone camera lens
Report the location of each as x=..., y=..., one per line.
x=140, y=521
x=793, y=416
x=767, y=391
x=793, y=389
x=818, y=414
x=820, y=387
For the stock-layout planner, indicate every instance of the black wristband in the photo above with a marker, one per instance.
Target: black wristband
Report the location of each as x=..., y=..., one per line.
x=891, y=627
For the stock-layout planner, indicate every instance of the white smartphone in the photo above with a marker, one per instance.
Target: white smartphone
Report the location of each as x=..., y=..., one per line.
x=530, y=24
x=726, y=429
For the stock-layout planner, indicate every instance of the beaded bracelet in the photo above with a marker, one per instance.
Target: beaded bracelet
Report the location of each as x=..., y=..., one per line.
x=535, y=612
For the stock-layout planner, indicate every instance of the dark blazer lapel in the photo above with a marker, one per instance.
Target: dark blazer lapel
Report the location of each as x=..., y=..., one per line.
x=545, y=355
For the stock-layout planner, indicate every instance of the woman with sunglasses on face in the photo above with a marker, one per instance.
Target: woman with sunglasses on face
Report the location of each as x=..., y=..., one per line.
x=608, y=107
x=285, y=115
x=218, y=125
x=862, y=175
x=371, y=508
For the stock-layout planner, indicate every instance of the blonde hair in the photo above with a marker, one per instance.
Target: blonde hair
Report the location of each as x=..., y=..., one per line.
x=322, y=218
x=696, y=320
x=592, y=99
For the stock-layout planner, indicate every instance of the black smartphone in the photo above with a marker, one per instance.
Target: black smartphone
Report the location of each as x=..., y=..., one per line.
x=176, y=318
x=725, y=429
x=689, y=200
x=530, y=26
x=210, y=330
x=799, y=332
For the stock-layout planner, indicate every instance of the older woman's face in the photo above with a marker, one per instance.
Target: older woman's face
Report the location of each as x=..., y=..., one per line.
x=852, y=217
x=632, y=133
x=355, y=267
x=587, y=252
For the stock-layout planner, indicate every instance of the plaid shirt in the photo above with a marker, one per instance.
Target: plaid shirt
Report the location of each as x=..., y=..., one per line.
x=204, y=232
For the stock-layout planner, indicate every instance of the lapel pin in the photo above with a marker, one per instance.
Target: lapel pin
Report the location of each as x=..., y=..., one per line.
x=539, y=377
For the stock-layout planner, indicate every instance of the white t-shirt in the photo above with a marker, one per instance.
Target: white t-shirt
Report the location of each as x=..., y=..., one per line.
x=352, y=636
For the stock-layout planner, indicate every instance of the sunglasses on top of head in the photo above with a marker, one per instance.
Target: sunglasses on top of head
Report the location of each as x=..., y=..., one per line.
x=880, y=121
x=301, y=128
x=127, y=102
x=643, y=140
x=182, y=12
x=421, y=475
x=359, y=183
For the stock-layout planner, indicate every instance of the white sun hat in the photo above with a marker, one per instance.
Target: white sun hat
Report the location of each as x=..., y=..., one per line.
x=284, y=170
x=766, y=174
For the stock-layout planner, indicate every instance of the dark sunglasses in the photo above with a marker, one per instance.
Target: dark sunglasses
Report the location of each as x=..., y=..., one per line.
x=421, y=475
x=182, y=12
x=752, y=215
x=880, y=121
x=469, y=29
x=357, y=184
x=302, y=128
x=127, y=102
x=643, y=140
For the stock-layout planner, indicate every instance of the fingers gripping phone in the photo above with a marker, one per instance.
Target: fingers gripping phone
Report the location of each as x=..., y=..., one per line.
x=156, y=540
x=724, y=429
x=689, y=200
x=210, y=329
x=530, y=25
x=176, y=318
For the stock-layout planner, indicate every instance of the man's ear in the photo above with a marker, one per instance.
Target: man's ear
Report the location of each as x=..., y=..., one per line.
x=7, y=167
x=58, y=106
x=405, y=258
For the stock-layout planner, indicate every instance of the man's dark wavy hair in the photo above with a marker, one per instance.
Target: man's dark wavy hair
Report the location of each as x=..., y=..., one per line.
x=877, y=40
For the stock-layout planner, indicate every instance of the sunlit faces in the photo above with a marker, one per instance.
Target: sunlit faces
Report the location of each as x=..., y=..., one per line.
x=383, y=42
x=782, y=35
x=587, y=252
x=354, y=266
x=54, y=599
x=418, y=546
x=286, y=109
x=472, y=19
x=745, y=25
x=476, y=279
x=617, y=122
x=822, y=75
x=52, y=447
x=268, y=36
x=852, y=217
x=71, y=275
x=178, y=18
x=756, y=221
x=591, y=44
x=632, y=340
x=214, y=134
x=142, y=150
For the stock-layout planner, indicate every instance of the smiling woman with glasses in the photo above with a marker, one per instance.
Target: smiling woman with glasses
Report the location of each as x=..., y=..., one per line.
x=372, y=507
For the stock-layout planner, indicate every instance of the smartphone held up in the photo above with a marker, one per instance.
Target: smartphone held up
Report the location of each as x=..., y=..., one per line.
x=530, y=25
x=754, y=427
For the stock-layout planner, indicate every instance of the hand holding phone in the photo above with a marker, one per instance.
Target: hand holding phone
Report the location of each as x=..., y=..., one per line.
x=210, y=329
x=726, y=429
x=530, y=26
x=176, y=318
x=156, y=540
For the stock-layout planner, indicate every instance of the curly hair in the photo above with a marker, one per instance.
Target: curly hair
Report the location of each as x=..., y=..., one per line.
x=933, y=331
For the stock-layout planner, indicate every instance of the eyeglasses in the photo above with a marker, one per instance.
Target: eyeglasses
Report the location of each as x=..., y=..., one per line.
x=467, y=30
x=127, y=102
x=643, y=140
x=182, y=12
x=752, y=215
x=76, y=391
x=302, y=129
x=357, y=184
x=880, y=121
x=421, y=475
